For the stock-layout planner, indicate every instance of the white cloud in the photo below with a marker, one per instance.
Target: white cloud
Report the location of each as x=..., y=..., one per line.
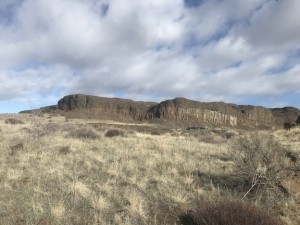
x=219, y=50
x=274, y=25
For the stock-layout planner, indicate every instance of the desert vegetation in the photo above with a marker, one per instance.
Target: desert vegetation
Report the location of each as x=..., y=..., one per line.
x=68, y=172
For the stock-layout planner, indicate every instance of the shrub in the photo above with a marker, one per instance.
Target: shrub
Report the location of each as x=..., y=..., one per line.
x=85, y=132
x=16, y=148
x=155, y=132
x=13, y=121
x=114, y=133
x=229, y=213
x=260, y=162
x=69, y=127
x=230, y=134
x=64, y=150
x=211, y=138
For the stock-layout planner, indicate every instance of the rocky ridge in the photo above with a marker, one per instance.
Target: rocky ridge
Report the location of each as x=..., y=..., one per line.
x=181, y=110
x=95, y=106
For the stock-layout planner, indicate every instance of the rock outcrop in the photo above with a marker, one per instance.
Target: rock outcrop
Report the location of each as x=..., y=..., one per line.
x=94, y=105
x=179, y=110
x=218, y=113
x=286, y=115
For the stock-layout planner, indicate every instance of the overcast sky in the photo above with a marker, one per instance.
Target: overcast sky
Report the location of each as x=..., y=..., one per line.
x=244, y=52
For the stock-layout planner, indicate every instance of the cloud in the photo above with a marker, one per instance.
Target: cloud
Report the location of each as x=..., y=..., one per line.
x=274, y=25
x=206, y=50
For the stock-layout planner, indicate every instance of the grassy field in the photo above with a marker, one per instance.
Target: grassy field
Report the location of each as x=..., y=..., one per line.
x=54, y=171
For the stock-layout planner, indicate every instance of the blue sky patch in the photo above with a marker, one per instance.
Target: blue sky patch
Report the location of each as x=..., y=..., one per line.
x=104, y=9
x=193, y=3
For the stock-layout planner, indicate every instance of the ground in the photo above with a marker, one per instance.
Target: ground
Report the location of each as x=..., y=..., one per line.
x=55, y=170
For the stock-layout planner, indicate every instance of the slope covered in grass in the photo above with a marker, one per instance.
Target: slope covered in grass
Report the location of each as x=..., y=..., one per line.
x=56, y=177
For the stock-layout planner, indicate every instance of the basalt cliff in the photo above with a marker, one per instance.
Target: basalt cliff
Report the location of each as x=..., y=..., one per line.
x=180, y=110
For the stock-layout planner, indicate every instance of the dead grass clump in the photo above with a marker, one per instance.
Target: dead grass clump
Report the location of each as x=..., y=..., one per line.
x=211, y=138
x=85, y=132
x=13, y=121
x=114, y=133
x=130, y=132
x=69, y=127
x=26, y=129
x=52, y=128
x=63, y=150
x=155, y=132
x=260, y=162
x=16, y=148
x=230, y=134
x=230, y=213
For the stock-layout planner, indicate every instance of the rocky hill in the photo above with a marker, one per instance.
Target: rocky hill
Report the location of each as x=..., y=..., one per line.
x=94, y=106
x=218, y=113
x=178, y=110
x=221, y=113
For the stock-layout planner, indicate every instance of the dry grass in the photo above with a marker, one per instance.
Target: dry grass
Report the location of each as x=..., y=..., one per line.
x=84, y=132
x=56, y=178
x=13, y=121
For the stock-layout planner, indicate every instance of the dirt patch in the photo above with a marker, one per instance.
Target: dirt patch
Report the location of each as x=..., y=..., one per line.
x=293, y=185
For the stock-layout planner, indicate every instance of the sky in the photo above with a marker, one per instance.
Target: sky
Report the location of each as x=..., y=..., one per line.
x=242, y=52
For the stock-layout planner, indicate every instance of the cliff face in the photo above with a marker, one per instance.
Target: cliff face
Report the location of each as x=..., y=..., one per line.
x=286, y=115
x=108, y=106
x=220, y=113
x=179, y=109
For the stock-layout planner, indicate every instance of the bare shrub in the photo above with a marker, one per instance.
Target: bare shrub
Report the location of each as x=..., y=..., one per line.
x=294, y=158
x=26, y=129
x=13, y=121
x=260, y=162
x=16, y=148
x=52, y=128
x=130, y=132
x=63, y=150
x=70, y=127
x=85, y=132
x=230, y=213
x=114, y=133
x=230, y=134
x=155, y=132
x=211, y=138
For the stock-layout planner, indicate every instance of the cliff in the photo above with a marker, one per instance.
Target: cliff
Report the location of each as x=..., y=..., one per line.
x=180, y=111
x=111, y=107
x=218, y=113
